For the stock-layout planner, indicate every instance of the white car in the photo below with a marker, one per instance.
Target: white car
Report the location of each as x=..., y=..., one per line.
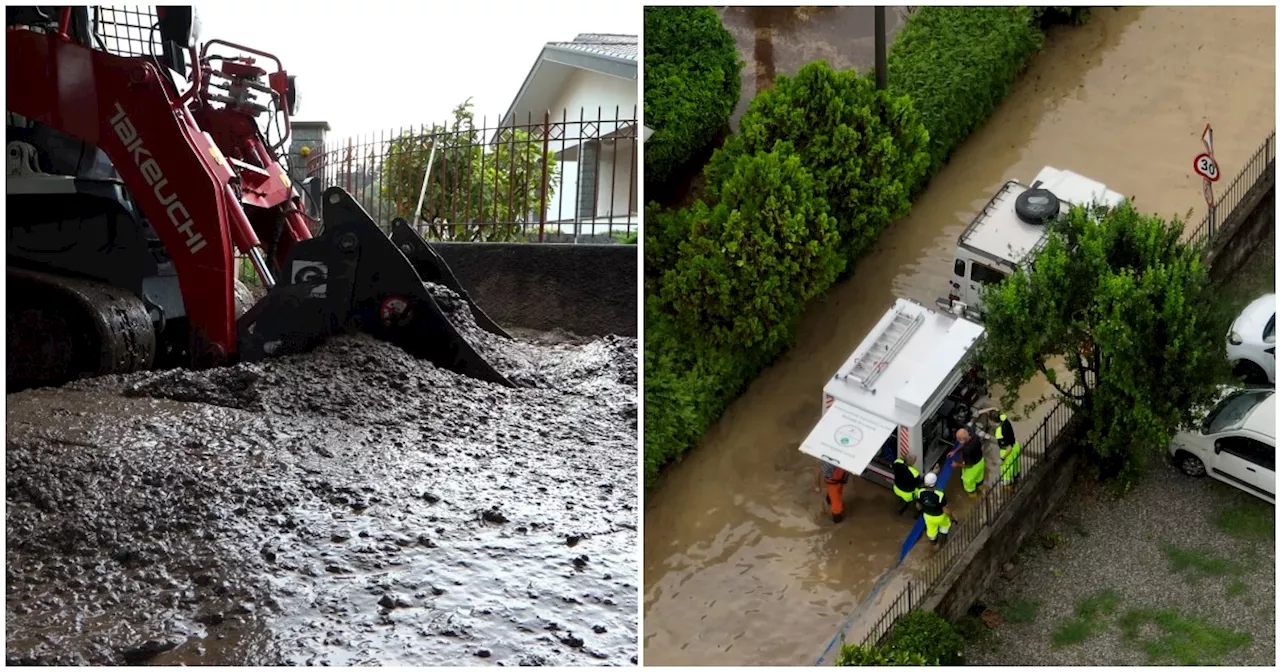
x=1251, y=345
x=1236, y=443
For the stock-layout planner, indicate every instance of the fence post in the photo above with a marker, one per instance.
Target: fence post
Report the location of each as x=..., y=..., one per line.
x=542, y=189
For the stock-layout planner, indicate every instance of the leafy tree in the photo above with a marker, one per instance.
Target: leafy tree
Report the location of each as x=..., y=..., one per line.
x=1117, y=296
x=754, y=260
x=691, y=85
x=479, y=189
x=865, y=147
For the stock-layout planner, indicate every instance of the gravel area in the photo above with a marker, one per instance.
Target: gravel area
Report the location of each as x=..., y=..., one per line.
x=1124, y=545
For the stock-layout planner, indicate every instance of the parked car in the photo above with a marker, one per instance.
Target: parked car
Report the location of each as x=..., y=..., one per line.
x=1251, y=345
x=1235, y=443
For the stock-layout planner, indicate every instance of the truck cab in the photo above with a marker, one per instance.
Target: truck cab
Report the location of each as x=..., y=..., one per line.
x=903, y=391
x=1010, y=228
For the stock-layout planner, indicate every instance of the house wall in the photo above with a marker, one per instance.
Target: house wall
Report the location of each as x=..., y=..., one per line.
x=593, y=97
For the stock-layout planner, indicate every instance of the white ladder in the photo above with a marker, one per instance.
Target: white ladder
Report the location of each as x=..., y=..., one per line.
x=871, y=363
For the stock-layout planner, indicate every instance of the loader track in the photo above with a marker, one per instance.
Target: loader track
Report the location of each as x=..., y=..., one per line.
x=60, y=328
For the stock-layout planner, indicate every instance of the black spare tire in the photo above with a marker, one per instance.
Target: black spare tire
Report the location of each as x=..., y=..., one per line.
x=1036, y=206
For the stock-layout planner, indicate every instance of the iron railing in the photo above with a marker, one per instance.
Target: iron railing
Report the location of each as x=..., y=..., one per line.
x=1262, y=161
x=1034, y=452
x=569, y=176
x=963, y=532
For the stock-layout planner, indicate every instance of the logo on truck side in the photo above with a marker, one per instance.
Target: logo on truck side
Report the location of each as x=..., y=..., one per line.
x=152, y=173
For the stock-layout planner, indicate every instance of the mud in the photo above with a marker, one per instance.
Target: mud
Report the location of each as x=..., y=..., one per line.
x=350, y=506
x=741, y=565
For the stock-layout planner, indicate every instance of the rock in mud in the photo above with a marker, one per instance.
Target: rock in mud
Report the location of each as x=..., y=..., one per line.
x=171, y=517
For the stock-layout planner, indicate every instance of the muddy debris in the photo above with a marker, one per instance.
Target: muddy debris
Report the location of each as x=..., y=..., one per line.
x=349, y=506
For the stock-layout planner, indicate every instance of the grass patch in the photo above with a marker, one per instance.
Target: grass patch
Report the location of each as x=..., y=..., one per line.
x=1101, y=603
x=1088, y=620
x=1237, y=588
x=1183, y=639
x=1020, y=610
x=1248, y=518
x=1194, y=563
x=1071, y=632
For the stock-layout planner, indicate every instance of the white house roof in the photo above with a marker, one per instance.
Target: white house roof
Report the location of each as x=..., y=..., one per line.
x=606, y=54
x=626, y=47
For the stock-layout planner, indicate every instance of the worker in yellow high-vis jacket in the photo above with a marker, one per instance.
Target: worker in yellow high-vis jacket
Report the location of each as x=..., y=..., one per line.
x=1010, y=451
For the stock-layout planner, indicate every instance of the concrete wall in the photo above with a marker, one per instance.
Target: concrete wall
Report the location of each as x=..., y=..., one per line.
x=589, y=290
x=1045, y=486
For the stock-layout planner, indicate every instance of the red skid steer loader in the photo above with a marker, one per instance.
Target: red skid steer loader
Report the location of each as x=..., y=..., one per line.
x=138, y=168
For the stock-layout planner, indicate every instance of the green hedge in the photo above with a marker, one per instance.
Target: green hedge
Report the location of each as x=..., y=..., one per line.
x=691, y=85
x=917, y=638
x=865, y=152
x=957, y=64
x=755, y=259
x=865, y=147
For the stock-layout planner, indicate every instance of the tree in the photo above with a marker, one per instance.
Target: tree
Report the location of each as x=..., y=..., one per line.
x=1117, y=296
x=865, y=147
x=751, y=263
x=479, y=189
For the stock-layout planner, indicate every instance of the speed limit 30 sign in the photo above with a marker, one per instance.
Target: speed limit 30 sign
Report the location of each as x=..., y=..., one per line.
x=1206, y=167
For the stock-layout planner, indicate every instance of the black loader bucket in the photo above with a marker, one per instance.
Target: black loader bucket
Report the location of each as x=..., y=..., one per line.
x=430, y=265
x=353, y=278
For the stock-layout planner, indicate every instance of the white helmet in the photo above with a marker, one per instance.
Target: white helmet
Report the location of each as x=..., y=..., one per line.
x=930, y=479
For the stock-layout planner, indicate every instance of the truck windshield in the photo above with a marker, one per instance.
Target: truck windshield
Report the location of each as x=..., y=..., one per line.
x=1230, y=413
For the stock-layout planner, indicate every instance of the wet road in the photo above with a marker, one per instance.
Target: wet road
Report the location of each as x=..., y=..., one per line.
x=741, y=566
x=352, y=506
x=776, y=40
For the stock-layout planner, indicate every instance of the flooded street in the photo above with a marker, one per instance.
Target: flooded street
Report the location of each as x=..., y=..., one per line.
x=350, y=506
x=776, y=40
x=741, y=564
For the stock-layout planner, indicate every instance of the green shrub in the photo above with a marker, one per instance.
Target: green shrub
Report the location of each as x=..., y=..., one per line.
x=957, y=64
x=664, y=230
x=691, y=85
x=865, y=148
x=753, y=261
x=687, y=386
x=871, y=656
x=929, y=635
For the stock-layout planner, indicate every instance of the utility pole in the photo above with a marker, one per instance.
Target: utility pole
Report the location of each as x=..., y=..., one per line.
x=882, y=69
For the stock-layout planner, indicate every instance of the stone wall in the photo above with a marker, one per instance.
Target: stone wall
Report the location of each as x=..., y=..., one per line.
x=589, y=290
x=1240, y=234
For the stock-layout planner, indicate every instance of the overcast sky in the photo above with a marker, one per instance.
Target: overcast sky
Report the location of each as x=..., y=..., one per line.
x=371, y=65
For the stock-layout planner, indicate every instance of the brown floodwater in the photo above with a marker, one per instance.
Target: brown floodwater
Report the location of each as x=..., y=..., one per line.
x=740, y=564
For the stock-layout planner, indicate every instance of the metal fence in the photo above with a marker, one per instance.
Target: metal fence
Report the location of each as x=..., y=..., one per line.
x=570, y=176
x=1036, y=449
x=1262, y=161
x=963, y=532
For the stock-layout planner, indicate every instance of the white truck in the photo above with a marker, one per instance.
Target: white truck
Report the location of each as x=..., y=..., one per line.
x=1012, y=226
x=905, y=390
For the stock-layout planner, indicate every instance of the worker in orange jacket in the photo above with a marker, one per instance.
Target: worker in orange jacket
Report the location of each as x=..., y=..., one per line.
x=833, y=478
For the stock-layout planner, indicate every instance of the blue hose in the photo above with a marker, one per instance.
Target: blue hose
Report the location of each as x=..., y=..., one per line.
x=917, y=531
